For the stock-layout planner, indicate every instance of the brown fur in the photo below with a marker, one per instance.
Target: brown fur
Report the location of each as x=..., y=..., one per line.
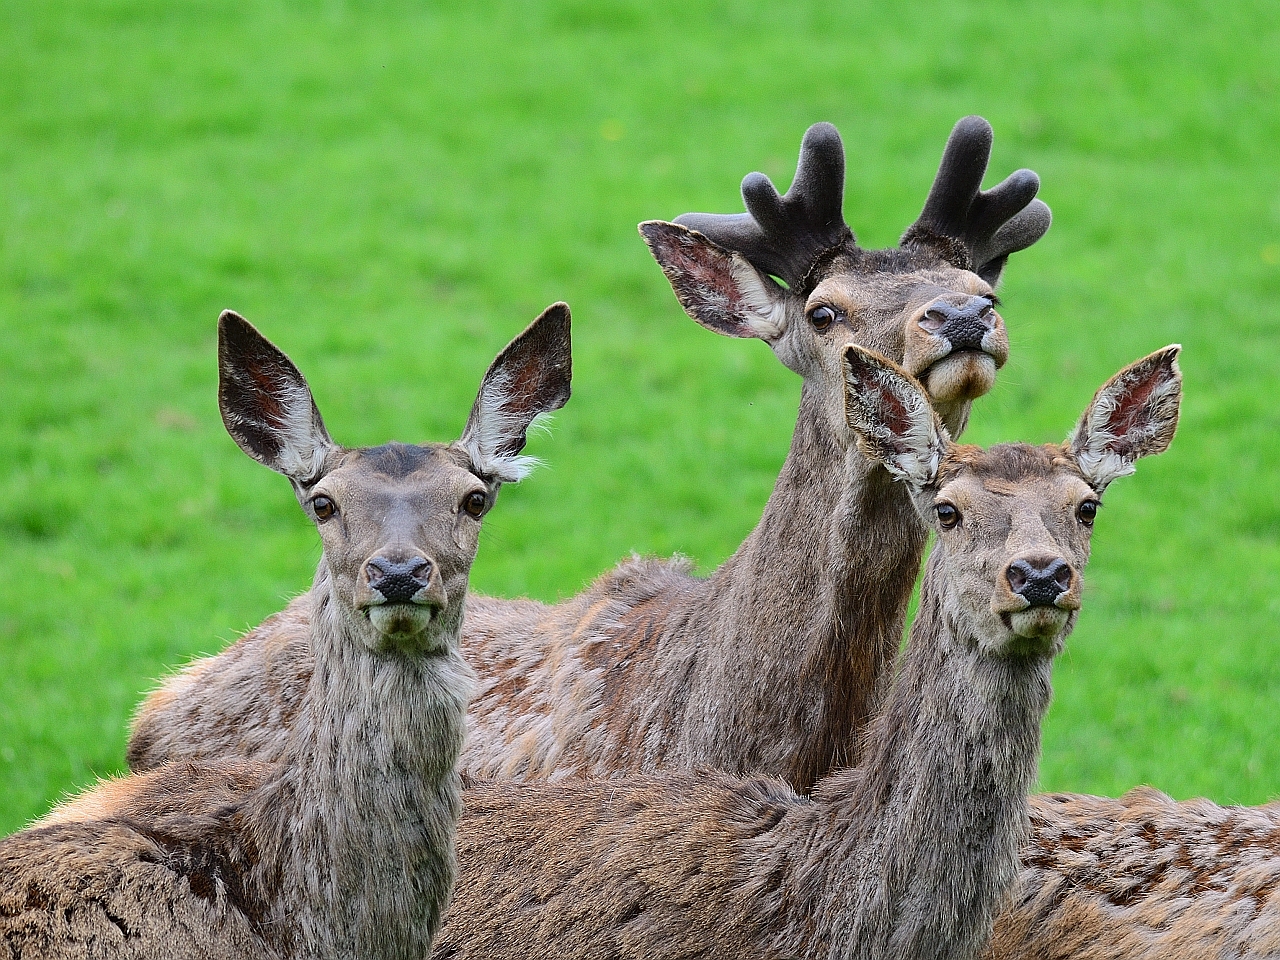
x=1145, y=878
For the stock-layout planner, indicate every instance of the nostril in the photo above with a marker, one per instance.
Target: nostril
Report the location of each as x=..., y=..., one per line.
x=933, y=320
x=1061, y=573
x=1017, y=575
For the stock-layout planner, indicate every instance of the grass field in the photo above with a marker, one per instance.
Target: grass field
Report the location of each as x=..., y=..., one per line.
x=391, y=192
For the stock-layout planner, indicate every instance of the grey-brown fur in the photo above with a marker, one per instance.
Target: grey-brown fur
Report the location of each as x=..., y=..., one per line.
x=343, y=846
x=1145, y=878
x=774, y=663
x=911, y=854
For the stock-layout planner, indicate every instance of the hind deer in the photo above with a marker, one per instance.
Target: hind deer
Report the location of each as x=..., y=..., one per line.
x=772, y=664
x=344, y=847
x=910, y=854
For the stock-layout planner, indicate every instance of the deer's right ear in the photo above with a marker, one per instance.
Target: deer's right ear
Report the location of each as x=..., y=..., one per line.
x=890, y=413
x=1133, y=415
x=266, y=404
x=530, y=377
x=717, y=287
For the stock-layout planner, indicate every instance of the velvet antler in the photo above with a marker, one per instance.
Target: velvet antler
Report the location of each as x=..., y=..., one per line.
x=786, y=235
x=973, y=229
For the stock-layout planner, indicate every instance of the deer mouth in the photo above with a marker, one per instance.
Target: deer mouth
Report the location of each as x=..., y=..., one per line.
x=960, y=375
x=401, y=619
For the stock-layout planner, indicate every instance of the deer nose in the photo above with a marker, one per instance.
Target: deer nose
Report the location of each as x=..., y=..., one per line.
x=398, y=581
x=1039, y=580
x=963, y=325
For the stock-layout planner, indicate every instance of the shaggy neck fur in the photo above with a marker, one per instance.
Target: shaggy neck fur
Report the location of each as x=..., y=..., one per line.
x=911, y=855
x=356, y=837
x=811, y=608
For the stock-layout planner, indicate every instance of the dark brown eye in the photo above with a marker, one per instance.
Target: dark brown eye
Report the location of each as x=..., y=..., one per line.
x=948, y=516
x=475, y=503
x=1088, y=512
x=323, y=507
x=822, y=317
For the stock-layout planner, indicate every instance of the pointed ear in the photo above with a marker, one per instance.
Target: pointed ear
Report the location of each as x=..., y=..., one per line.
x=890, y=412
x=1133, y=415
x=266, y=404
x=529, y=377
x=717, y=287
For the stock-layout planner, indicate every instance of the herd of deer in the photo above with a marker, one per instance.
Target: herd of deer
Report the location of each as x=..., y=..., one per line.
x=667, y=766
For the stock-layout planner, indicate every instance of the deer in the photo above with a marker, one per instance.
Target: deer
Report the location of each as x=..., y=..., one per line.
x=1144, y=878
x=911, y=853
x=772, y=664
x=344, y=846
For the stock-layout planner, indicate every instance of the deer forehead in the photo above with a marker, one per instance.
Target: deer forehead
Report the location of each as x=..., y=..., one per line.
x=1014, y=489
x=426, y=478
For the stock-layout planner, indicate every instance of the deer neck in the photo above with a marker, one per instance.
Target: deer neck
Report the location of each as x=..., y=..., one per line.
x=911, y=854
x=364, y=813
x=815, y=601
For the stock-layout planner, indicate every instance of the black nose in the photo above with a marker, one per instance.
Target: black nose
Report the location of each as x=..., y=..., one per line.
x=398, y=582
x=962, y=326
x=1041, y=581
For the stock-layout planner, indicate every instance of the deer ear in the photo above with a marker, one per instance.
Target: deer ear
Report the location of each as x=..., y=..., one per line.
x=529, y=377
x=891, y=415
x=718, y=288
x=266, y=404
x=1133, y=415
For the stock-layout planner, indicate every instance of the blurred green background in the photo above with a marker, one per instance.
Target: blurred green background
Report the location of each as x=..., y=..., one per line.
x=392, y=190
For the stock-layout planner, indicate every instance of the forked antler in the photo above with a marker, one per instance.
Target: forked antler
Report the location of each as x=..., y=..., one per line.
x=987, y=225
x=786, y=235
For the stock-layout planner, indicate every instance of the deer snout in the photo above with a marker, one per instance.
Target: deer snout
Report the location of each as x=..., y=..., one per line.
x=963, y=325
x=1043, y=581
x=398, y=581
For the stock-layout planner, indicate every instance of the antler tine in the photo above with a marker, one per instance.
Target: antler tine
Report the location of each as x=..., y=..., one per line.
x=785, y=235
x=989, y=225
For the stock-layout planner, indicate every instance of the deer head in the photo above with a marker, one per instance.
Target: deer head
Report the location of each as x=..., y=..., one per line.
x=1013, y=522
x=400, y=523
x=790, y=272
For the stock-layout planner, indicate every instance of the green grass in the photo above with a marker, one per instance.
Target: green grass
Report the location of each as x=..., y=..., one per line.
x=391, y=192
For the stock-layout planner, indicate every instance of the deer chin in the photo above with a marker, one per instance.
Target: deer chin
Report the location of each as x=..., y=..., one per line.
x=960, y=376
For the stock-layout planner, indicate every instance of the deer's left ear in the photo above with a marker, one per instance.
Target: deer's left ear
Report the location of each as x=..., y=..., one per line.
x=531, y=376
x=891, y=415
x=1133, y=415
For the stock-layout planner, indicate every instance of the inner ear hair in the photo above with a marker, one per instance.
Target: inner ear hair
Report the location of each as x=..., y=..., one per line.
x=1133, y=415
x=890, y=413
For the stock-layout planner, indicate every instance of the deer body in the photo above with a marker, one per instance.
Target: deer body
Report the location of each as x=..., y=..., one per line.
x=775, y=663
x=911, y=853
x=342, y=844
x=1144, y=878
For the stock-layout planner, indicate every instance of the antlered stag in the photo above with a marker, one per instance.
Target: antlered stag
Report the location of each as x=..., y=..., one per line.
x=909, y=855
x=344, y=847
x=772, y=664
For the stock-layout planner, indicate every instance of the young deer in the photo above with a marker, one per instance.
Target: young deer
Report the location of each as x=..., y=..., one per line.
x=907, y=856
x=344, y=847
x=773, y=664
x=1145, y=878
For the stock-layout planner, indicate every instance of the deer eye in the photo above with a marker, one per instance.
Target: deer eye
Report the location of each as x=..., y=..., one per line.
x=1087, y=512
x=323, y=508
x=822, y=317
x=948, y=516
x=475, y=503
